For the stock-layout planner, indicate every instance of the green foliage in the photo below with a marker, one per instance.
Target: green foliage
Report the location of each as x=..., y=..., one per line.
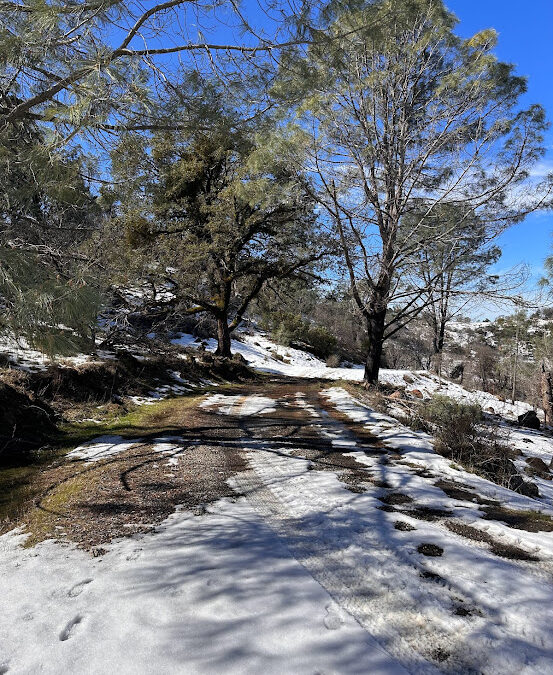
x=290, y=329
x=215, y=211
x=46, y=213
x=444, y=412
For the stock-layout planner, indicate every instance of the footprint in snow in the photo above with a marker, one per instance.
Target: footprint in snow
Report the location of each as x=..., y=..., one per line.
x=333, y=619
x=78, y=588
x=69, y=629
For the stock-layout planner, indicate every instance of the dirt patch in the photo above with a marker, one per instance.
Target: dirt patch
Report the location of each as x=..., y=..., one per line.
x=387, y=508
x=496, y=547
x=432, y=576
x=92, y=503
x=430, y=550
x=403, y=526
x=531, y=521
x=462, y=492
x=366, y=441
x=428, y=513
x=291, y=426
x=396, y=498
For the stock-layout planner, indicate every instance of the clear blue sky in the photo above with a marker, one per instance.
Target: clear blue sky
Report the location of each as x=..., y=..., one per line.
x=525, y=39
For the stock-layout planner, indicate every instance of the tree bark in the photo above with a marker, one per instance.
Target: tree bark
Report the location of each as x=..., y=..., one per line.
x=223, y=337
x=375, y=331
x=547, y=393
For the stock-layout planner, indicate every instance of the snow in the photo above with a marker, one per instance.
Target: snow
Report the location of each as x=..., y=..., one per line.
x=242, y=406
x=261, y=353
x=303, y=575
x=102, y=448
x=429, y=385
x=348, y=543
x=210, y=594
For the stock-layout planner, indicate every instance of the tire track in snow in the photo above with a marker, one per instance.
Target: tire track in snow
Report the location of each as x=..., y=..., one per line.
x=325, y=554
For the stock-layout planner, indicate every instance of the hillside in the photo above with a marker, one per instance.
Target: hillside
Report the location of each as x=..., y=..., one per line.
x=334, y=536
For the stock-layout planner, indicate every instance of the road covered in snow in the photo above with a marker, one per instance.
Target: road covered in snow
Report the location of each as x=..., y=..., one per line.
x=349, y=546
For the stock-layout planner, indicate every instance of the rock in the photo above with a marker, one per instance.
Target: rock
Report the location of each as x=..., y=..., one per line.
x=536, y=466
x=396, y=395
x=417, y=393
x=529, y=420
x=457, y=371
x=408, y=379
x=524, y=487
x=238, y=358
x=490, y=410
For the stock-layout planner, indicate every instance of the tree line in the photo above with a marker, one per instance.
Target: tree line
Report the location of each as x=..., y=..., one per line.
x=209, y=154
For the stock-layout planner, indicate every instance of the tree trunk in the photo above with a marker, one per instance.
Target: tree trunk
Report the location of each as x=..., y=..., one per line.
x=223, y=337
x=375, y=332
x=438, y=342
x=547, y=393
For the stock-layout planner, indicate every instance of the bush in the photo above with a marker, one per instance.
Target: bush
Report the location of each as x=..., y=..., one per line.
x=447, y=414
x=333, y=361
x=460, y=436
x=291, y=330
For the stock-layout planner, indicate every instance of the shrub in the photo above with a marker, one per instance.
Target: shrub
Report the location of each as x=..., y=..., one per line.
x=460, y=435
x=454, y=426
x=291, y=330
x=333, y=361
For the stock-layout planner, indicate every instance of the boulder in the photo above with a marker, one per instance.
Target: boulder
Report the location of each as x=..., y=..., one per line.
x=529, y=420
x=408, y=379
x=537, y=467
x=524, y=487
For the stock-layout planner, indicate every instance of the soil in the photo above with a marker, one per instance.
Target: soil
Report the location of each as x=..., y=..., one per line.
x=496, y=547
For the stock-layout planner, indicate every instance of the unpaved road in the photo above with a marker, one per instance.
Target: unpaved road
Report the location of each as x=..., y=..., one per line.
x=339, y=500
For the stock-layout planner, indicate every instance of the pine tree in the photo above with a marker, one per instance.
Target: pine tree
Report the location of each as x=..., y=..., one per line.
x=396, y=107
x=46, y=212
x=217, y=214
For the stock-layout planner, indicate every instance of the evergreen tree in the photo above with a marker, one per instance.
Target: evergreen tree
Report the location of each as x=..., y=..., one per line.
x=394, y=108
x=46, y=212
x=217, y=215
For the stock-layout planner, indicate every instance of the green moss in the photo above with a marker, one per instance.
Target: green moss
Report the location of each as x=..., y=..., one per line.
x=52, y=509
x=160, y=417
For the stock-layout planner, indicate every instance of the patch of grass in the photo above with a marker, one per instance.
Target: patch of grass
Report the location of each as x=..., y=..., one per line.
x=161, y=417
x=51, y=510
x=20, y=484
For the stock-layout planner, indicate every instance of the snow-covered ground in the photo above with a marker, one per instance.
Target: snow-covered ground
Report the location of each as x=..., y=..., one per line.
x=486, y=613
x=303, y=575
x=214, y=594
x=266, y=356
x=261, y=353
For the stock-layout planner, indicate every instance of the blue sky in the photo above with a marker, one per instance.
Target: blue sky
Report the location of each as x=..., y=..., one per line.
x=525, y=39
